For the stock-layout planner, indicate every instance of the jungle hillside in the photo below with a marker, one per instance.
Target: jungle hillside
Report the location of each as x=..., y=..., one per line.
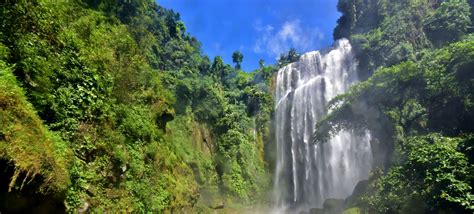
x=112, y=106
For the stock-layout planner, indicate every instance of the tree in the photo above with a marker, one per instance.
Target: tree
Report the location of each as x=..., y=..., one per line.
x=205, y=65
x=217, y=66
x=261, y=63
x=448, y=23
x=237, y=58
x=291, y=56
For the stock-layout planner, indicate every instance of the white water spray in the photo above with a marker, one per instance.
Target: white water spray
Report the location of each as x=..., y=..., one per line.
x=307, y=173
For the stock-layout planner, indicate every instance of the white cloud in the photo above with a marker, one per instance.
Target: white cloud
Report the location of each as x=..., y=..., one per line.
x=290, y=34
x=217, y=46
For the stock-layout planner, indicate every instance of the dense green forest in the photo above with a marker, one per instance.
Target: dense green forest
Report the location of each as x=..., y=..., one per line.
x=112, y=106
x=417, y=101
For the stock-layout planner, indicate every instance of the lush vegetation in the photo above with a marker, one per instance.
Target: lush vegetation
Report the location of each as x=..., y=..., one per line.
x=417, y=101
x=386, y=32
x=110, y=105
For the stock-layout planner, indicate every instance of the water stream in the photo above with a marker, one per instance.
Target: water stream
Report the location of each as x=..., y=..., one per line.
x=307, y=173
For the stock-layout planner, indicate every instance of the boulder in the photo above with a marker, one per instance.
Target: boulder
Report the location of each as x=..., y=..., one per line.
x=333, y=206
x=316, y=211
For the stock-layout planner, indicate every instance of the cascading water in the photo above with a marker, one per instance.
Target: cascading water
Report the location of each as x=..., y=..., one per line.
x=307, y=173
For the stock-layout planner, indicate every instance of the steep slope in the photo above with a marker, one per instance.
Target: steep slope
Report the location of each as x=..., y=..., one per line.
x=149, y=124
x=33, y=158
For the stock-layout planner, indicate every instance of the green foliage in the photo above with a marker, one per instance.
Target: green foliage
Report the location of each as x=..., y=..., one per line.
x=287, y=58
x=385, y=33
x=136, y=124
x=358, y=17
x=449, y=22
x=403, y=94
x=144, y=120
x=26, y=144
x=417, y=104
x=354, y=210
x=435, y=172
x=237, y=58
x=261, y=63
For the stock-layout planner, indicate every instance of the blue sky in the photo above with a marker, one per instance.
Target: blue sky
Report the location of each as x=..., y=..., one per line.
x=260, y=29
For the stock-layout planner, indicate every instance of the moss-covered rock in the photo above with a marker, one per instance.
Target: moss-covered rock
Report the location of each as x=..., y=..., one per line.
x=34, y=155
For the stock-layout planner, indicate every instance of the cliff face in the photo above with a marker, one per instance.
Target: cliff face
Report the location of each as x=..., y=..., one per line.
x=34, y=160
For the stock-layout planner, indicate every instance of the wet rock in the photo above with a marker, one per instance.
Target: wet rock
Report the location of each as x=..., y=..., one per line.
x=360, y=188
x=217, y=206
x=333, y=206
x=354, y=200
x=381, y=153
x=316, y=211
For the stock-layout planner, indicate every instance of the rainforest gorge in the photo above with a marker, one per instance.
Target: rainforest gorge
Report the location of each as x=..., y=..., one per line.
x=111, y=106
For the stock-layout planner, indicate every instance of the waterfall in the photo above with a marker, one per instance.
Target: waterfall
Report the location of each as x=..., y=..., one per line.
x=307, y=173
